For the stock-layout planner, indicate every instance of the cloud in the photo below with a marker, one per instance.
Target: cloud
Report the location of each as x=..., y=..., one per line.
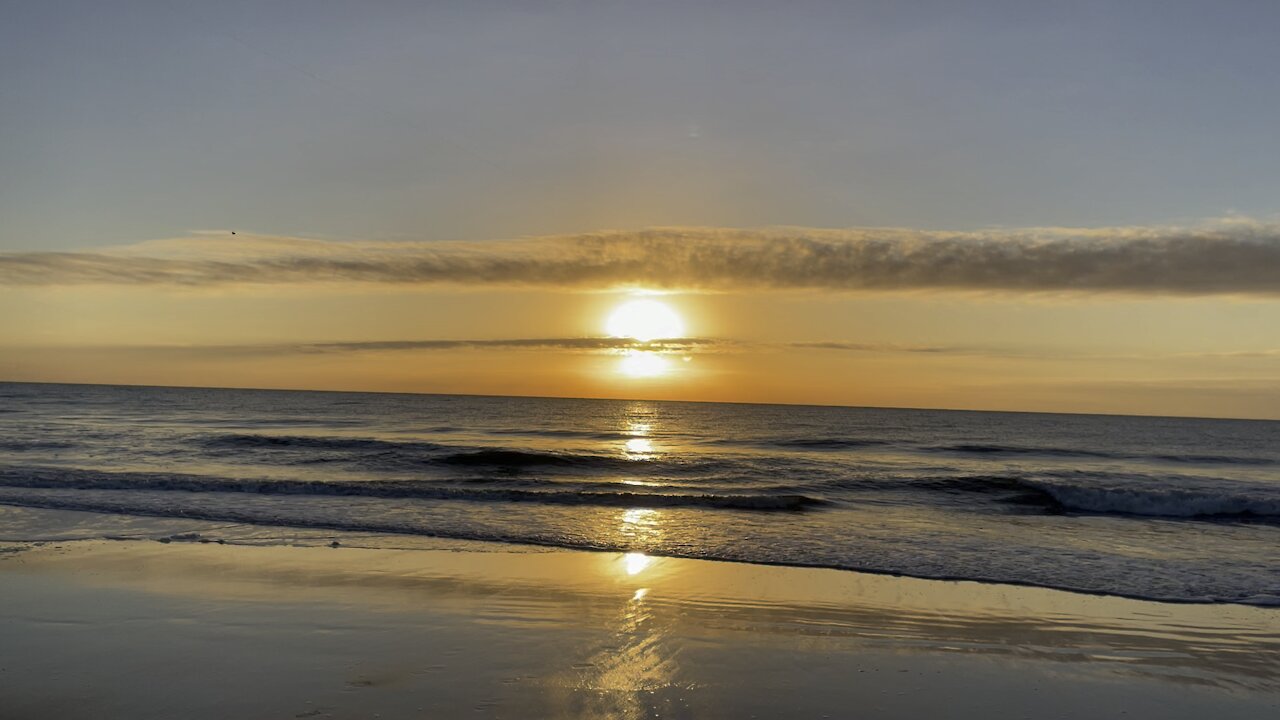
x=570, y=344
x=677, y=346
x=1234, y=258
x=871, y=347
x=672, y=345
x=609, y=344
x=1267, y=354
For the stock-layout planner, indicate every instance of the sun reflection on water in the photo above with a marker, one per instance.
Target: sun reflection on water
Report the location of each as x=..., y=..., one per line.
x=636, y=562
x=639, y=448
x=640, y=527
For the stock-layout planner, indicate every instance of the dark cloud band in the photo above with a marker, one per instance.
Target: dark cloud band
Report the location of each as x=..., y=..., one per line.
x=569, y=344
x=1239, y=258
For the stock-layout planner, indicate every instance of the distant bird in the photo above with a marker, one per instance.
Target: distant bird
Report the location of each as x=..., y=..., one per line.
x=233, y=232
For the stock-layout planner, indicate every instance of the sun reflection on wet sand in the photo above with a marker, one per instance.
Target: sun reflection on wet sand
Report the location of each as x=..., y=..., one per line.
x=560, y=634
x=622, y=678
x=636, y=562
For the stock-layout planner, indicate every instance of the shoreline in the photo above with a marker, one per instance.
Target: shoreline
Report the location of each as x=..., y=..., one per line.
x=1267, y=601
x=500, y=630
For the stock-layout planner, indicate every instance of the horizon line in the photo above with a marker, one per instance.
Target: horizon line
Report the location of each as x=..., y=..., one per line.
x=626, y=399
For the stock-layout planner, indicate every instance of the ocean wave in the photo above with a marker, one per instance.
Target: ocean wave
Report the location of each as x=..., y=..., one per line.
x=793, y=443
x=241, y=441
x=1225, y=502
x=992, y=450
x=518, y=458
x=273, y=517
x=1116, y=494
x=34, y=445
x=374, y=454
x=234, y=423
x=558, y=433
x=1215, y=459
x=64, y=479
x=822, y=443
x=981, y=449
x=1017, y=450
x=391, y=451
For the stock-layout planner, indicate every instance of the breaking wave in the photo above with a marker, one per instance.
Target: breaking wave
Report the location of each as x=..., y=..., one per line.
x=63, y=479
x=1116, y=494
x=1015, y=450
x=1224, y=500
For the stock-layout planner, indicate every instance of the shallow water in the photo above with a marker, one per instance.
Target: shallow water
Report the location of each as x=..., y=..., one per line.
x=1162, y=508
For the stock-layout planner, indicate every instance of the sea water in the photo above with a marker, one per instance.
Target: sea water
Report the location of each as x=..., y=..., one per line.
x=1176, y=509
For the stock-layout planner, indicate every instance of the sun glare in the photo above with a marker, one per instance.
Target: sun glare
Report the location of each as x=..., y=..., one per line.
x=639, y=447
x=636, y=562
x=642, y=364
x=645, y=320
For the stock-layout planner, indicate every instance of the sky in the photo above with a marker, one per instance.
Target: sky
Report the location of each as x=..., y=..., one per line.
x=991, y=205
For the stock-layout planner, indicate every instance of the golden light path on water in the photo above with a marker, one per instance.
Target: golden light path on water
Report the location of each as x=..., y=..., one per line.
x=639, y=448
x=639, y=526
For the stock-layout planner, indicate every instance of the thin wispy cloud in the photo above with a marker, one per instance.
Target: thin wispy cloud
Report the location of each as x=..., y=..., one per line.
x=872, y=347
x=611, y=344
x=567, y=344
x=1236, y=258
x=586, y=344
x=590, y=344
x=667, y=346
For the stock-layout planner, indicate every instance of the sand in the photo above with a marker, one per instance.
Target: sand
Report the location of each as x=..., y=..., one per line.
x=144, y=629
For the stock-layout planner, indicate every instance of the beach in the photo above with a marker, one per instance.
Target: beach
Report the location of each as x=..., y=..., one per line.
x=639, y=360
x=181, y=626
x=189, y=553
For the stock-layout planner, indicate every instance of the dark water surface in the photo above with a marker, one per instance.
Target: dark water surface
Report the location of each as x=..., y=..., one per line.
x=1162, y=508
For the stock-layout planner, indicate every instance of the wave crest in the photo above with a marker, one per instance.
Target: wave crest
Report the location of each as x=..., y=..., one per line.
x=1247, y=501
x=397, y=489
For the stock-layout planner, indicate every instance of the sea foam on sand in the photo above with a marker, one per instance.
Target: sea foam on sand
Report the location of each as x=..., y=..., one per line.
x=141, y=629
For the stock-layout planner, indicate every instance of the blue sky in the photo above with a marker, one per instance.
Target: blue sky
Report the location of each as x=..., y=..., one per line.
x=126, y=121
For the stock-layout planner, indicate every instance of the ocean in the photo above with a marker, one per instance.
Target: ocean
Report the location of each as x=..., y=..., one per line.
x=1172, y=509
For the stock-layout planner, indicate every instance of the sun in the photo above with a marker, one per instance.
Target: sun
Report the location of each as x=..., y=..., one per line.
x=645, y=320
x=643, y=364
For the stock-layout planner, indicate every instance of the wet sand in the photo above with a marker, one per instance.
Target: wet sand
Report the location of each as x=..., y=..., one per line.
x=143, y=629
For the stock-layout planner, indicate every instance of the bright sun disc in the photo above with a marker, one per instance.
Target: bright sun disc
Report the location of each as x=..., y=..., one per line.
x=640, y=364
x=645, y=320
